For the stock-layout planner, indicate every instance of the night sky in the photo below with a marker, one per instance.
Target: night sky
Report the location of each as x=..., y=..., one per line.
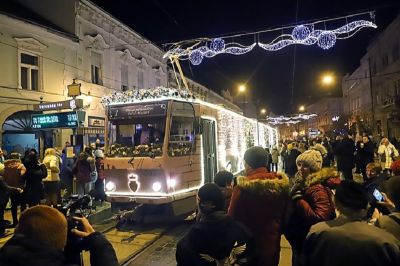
x=268, y=75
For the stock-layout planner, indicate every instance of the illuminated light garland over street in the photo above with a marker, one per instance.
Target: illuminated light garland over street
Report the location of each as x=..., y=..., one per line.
x=196, y=50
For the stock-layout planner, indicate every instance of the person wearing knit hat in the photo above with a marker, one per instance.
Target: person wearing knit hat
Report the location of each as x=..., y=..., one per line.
x=216, y=237
x=41, y=237
x=312, y=198
x=257, y=200
x=312, y=159
x=344, y=240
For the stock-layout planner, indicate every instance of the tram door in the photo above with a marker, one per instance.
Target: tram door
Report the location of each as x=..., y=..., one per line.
x=209, y=150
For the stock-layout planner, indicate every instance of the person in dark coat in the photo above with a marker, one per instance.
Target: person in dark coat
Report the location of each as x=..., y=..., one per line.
x=84, y=166
x=259, y=201
x=42, y=235
x=344, y=151
x=365, y=154
x=224, y=181
x=312, y=199
x=35, y=173
x=290, y=164
x=349, y=240
x=66, y=174
x=99, y=184
x=216, y=239
x=375, y=177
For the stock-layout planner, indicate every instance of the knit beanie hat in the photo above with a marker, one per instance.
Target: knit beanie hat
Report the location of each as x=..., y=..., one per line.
x=311, y=158
x=256, y=157
x=210, y=198
x=45, y=225
x=392, y=188
x=320, y=148
x=351, y=194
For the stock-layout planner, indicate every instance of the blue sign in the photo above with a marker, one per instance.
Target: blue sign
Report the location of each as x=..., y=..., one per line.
x=56, y=120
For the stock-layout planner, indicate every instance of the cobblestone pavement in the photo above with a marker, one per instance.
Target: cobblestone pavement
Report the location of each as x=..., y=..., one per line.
x=162, y=252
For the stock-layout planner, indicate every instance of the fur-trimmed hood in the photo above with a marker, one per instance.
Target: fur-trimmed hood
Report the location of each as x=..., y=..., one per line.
x=325, y=175
x=274, y=182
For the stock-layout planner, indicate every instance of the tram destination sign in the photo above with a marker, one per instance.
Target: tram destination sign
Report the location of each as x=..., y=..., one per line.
x=56, y=120
x=137, y=110
x=69, y=104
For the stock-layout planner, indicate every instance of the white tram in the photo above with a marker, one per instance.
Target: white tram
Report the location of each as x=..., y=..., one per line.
x=163, y=144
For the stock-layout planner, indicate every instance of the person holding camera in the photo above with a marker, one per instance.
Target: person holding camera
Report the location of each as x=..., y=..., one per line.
x=41, y=237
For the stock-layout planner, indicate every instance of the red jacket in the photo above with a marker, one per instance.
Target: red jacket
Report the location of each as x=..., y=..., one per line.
x=315, y=206
x=259, y=201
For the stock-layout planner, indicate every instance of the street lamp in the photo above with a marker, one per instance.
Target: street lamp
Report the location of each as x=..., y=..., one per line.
x=327, y=79
x=242, y=88
x=302, y=108
x=263, y=111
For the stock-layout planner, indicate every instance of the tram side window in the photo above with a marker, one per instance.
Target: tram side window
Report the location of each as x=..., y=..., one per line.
x=181, y=139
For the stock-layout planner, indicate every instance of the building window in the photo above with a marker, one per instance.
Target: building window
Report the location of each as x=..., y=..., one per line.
x=124, y=77
x=395, y=52
x=29, y=65
x=397, y=87
x=96, y=68
x=140, y=80
x=385, y=60
x=158, y=82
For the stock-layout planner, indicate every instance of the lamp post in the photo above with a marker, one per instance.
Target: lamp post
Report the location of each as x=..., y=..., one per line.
x=242, y=90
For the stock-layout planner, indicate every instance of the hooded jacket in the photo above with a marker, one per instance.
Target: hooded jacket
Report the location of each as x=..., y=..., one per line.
x=215, y=240
x=316, y=205
x=259, y=201
x=14, y=171
x=52, y=162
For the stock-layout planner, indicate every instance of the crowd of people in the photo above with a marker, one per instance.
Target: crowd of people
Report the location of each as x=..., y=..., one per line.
x=337, y=203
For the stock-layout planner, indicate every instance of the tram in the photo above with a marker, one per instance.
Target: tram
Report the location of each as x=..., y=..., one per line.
x=164, y=144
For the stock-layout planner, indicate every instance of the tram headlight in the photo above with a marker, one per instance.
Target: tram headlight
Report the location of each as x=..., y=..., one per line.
x=110, y=186
x=156, y=186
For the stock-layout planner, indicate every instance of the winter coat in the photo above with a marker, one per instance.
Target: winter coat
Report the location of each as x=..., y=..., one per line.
x=387, y=154
x=14, y=172
x=66, y=169
x=290, y=162
x=275, y=155
x=5, y=192
x=259, y=201
x=34, y=175
x=216, y=237
x=390, y=223
x=21, y=251
x=348, y=242
x=52, y=163
x=366, y=154
x=83, y=168
x=100, y=168
x=344, y=151
x=314, y=206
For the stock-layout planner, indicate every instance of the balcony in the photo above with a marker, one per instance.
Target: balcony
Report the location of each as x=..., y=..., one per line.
x=391, y=103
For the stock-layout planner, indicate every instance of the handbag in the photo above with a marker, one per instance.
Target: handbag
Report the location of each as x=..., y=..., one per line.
x=93, y=176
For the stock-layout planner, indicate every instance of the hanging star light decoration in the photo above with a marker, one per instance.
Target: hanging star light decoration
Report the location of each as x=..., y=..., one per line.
x=305, y=34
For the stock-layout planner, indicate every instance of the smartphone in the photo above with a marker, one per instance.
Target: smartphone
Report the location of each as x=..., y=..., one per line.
x=378, y=195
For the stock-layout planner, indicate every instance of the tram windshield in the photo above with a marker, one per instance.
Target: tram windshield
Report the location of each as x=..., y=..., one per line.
x=137, y=130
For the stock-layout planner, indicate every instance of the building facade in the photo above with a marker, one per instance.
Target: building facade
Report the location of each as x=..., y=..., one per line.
x=371, y=94
x=63, y=42
x=328, y=110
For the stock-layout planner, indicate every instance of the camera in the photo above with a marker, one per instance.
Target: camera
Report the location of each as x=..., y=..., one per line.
x=75, y=206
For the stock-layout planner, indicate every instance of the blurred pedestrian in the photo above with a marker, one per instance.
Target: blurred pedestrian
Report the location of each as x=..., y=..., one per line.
x=14, y=172
x=365, y=154
x=290, y=164
x=66, y=175
x=99, y=184
x=52, y=181
x=344, y=151
x=216, y=239
x=2, y=158
x=388, y=153
x=259, y=201
x=275, y=159
x=349, y=240
x=35, y=173
x=84, y=168
x=224, y=181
